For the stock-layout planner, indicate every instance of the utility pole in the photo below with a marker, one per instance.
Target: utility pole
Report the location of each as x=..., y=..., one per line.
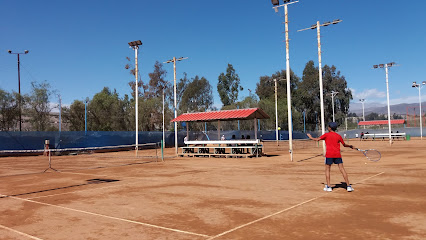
x=135, y=45
x=19, y=86
x=60, y=113
x=173, y=60
x=386, y=66
x=85, y=115
x=420, y=86
x=363, y=115
x=276, y=107
x=290, y=122
x=317, y=26
x=333, y=93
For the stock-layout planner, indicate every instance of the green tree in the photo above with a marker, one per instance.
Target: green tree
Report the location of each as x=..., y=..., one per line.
x=396, y=116
x=197, y=95
x=132, y=70
x=333, y=81
x=157, y=81
x=38, y=107
x=106, y=112
x=74, y=115
x=265, y=89
x=308, y=95
x=228, y=86
x=9, y=110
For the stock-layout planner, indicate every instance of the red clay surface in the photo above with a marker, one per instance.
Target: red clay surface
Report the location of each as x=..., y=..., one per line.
x=217, y=198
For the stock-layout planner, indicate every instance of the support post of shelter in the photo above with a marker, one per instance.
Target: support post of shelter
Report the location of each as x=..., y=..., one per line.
x=255, y=128
x=187, y=130
x=218, y=130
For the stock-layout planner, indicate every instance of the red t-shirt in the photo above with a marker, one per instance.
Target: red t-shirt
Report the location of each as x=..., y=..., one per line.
x=332, y=142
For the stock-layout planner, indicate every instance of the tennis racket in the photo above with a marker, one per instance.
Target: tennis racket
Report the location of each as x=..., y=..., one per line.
x=371, y=154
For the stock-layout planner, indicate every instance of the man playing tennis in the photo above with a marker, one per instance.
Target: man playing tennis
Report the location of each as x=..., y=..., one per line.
x=332, y=155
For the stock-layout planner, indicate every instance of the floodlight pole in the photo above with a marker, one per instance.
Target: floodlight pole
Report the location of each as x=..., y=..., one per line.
x=276, y=107
x=137, y=101
x=419, y=86
x=289, y=116
x=276, y=110
x=60, y=113
x=85, y=116
x=19, y=86
x=164, y=138
x=386, y=66
x=333, y=93
x=135, y=45
x=387, y=93
x=321, y=85
x=317, y=26
x=363, y=116
x=175, y=99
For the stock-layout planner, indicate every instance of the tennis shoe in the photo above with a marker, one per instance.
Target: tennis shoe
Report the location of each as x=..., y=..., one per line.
x=349, y=188
x=328, y=188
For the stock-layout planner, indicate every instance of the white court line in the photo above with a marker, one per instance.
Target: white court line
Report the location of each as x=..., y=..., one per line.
x=51, y=195
x=110, y=217
x=97, y=175
x=369, y=177
x=279, y=212
x=21, y=233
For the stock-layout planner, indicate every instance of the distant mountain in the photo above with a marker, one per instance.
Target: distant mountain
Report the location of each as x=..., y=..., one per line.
x=400, y=109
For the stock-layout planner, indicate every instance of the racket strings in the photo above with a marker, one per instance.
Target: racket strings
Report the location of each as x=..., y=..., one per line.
x=373, y=155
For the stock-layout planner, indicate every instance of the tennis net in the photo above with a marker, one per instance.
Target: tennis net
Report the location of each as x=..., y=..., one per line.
x=14, y=162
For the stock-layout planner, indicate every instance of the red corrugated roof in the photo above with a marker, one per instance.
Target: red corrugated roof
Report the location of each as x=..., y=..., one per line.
x=225, y=115
x=381, y=122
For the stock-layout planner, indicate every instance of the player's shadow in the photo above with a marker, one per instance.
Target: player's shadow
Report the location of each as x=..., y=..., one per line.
x=301, y=160
x=340, y=185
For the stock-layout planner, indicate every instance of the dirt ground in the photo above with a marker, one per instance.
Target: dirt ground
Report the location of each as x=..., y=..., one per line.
x=217, y=198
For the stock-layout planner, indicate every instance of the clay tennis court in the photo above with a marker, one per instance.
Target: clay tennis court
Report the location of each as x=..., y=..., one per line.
x=217, y=198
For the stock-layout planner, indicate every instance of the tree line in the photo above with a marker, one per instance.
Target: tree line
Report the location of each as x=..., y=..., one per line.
x=108, y=111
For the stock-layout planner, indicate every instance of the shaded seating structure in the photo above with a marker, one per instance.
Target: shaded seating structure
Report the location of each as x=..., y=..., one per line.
x=222, y=148
x=374, y=136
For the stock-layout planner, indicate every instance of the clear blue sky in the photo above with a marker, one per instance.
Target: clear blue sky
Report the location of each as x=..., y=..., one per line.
x=80, y=46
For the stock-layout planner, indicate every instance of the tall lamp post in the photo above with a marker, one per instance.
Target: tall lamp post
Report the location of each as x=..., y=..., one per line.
x=60, y=113
x=85, y=115
x=419, y=86
x=363, y=115
x=19, y=86
x=276, y=4
x=173, y=60
x=386, y=67
x=276, y=107
x=135, y=45
x=333, y=93
x=317, y=26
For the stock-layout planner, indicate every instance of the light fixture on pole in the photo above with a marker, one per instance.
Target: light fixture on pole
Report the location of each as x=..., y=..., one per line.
x=333, y=93
x=19, y=86
x=290, y=121
x=135, y=45
x=363, y=116
x=173, y=60
x=386, y=67
x=317, y=26
x=420, y=86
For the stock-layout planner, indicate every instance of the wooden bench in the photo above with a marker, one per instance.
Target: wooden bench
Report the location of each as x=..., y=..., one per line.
x=227, y=148
x=383, y=136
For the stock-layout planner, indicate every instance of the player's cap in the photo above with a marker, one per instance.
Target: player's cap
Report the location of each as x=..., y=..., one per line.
x=333, y=125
